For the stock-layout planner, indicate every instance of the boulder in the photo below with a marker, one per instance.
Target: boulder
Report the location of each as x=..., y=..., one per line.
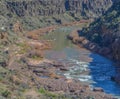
x=97, y=89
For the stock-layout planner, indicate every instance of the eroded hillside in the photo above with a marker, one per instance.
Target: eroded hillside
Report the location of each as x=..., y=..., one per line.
x=24, y=72
x=105, y=31
x=39, y=13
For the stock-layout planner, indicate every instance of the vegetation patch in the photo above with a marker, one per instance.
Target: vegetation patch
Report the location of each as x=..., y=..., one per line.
x=51, y=95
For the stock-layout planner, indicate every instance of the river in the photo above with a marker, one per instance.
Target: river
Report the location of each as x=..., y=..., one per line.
x=85, y=66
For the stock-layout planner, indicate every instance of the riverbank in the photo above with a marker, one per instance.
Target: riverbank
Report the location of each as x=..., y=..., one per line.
x=94, y=47
x=31, y=75
x=47, y=71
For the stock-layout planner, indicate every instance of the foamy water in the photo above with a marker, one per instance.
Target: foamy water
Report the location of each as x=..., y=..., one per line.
x=84, y=66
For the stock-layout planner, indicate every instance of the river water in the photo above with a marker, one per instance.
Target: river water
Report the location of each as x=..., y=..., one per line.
x=84, y=65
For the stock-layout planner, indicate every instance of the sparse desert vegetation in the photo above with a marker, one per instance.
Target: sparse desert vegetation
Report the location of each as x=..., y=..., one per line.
x=26, y=30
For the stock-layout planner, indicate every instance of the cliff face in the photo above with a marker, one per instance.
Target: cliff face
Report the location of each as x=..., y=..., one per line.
x=90, y=8
x=36, y=7
x=106, y=31
x=33, y=13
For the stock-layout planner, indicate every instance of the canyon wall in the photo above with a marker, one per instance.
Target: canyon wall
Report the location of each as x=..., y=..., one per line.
x=39, y=13
x=90, y=8
x=36, y=7
x=105, y=31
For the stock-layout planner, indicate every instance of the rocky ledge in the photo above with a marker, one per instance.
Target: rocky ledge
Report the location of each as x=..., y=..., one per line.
x=27, y=70
x=84, y=42
x=111, y=53
x=47, y=71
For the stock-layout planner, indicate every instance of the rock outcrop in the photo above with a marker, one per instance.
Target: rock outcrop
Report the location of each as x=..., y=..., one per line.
x=89, y=8
x=51, y=7
x=105, y=32
x=103, y=36
x=39, y=13
x=36, y=7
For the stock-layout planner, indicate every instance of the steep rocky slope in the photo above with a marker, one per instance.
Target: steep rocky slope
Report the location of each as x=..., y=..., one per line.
x=103, y=36
x=37, y=13
x=26, y=74
x=36, y=7
x=105, y=31
x=20, y=51
x=89, y=8
x=51, y=7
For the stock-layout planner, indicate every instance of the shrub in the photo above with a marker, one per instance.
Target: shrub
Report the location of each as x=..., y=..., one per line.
x=36, y=54
x=6, y=93
x=48, y=94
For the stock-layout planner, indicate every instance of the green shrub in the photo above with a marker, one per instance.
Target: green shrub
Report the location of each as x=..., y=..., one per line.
x=6, y=93
x=49, y=94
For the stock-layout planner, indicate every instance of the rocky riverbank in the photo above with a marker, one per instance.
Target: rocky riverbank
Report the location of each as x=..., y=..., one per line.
x=103, y=36
x=50, y=80
x=29, y=74
x=92, y=46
